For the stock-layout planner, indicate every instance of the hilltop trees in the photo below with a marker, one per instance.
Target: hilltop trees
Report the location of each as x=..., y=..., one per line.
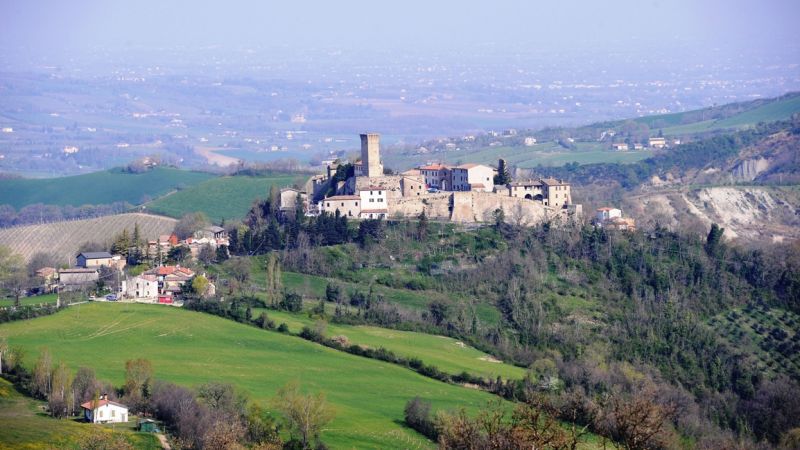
x=138, y=381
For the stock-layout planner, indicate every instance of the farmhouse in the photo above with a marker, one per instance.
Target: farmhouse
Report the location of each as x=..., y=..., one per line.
x=94, y=259
x=611, y=218
x=75, y=279
x=347, y=205
x=657, y=142
x=104, y=411
x=143, y=286
x=621, y=146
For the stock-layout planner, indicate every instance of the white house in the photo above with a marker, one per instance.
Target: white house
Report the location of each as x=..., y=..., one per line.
x=479, y=177
x=143, y=286
x=604, y=214
x=104, y=411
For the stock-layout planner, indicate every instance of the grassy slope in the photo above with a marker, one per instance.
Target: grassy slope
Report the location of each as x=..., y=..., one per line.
x=192, y=348
x=36, y=300
x=443, y=352
x=24, y=426
x=778, y=110
x=225, y=197
x=96, y=188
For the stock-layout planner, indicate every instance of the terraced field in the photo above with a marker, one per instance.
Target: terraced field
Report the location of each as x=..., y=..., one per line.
x=221, y=198
x=63, y=239
x=772, y=334
x=191, y=348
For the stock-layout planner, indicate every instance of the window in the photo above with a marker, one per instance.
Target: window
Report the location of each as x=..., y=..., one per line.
x=99, y=413
x=113, y=413
x=356, y=203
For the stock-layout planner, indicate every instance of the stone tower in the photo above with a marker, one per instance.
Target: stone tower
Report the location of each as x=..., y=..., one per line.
x=371, y=155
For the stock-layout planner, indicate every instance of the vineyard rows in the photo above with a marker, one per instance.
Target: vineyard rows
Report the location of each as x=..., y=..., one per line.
x=63, y=239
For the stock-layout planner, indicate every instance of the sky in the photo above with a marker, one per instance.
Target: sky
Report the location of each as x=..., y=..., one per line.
x=77, y=26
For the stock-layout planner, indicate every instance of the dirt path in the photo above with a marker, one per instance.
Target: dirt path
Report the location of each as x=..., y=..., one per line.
x=163, y=440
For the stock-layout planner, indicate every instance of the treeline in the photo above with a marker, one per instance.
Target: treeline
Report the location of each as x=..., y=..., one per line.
x=214, y=415
x=41, y=213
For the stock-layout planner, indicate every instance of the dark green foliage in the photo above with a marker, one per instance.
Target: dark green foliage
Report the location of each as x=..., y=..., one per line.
x=291, y=302
x=418, y=416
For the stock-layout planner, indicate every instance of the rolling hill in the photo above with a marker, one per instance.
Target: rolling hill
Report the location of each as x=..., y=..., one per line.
x=62, y=239
x=97, y=188
x=191, y=348
x=220, y=198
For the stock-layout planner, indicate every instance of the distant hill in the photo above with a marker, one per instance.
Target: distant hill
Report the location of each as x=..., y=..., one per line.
x=62, y=239
x=221, y=198
x=97, y=188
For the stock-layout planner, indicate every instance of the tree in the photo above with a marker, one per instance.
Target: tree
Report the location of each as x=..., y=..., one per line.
x=439, y=310
x=714, y=239
x=3, y=351
x=239, y=269
x=190, y=223
x=138, y=380
x=42, y=373
x=199, y=285
x=59, y=399
x=292, y=302
x=222, y=253
x=122, y=243
x=333, y=293
x=503, y=176
x=84, y=385
x=13, y=274
x=422, y=226
x=273, y=279
x=39, y=260
x=304, y=414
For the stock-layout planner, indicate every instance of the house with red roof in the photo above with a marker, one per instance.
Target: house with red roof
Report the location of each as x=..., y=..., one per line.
x=104, y=410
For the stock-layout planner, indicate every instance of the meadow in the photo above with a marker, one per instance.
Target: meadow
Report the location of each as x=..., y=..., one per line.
x=221, y=198
x=30, y=301
x=62, y=239
x=447, y=354
x=192, y=348
x=97, y=188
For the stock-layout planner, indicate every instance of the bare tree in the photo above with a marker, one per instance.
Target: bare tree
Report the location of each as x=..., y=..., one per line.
x=305, y=414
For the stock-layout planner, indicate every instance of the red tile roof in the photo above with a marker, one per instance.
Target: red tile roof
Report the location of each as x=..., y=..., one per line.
x=88, y=405
x=344, y=197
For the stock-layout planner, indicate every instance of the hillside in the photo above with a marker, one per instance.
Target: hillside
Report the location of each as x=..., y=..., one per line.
x=97, y=188
x=192, y=348
x=24, y=426
x=62, y=239
x=220, y=198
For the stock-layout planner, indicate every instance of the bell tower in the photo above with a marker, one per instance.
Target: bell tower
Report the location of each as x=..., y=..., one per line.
x=371, y=155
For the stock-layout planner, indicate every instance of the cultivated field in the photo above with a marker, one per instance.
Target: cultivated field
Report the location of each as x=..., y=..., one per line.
x=771, y=112
x=220, y=198
x=63, y=239
x=191, y=348
x=97, y=188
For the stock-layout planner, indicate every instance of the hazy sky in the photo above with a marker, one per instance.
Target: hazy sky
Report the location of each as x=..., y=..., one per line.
x=70, y=27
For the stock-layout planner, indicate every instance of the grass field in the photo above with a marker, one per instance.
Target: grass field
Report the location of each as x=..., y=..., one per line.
x=28, y=301
x=191, y=348
x=224, y=197
x=448, y=354
x=97, y=188
x=545, y=154
x=24, y=425
x=778, y=110
x=62, y=239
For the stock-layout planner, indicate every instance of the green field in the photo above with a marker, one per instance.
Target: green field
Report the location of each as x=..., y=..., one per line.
x=220, y=198
x=448, y=354
x=771, y=112
x=24, y=425
x=545, y=154
x=26, y=301
x=97, y=188
x=248, y=155
x=191, y=348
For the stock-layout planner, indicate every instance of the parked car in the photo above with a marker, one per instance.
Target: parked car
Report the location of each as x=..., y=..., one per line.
x=111, y=297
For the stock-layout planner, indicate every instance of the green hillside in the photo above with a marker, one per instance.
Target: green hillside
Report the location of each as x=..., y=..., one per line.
x=218, y=198
x=97, y=188
x=446, y=353
x=780, y=109
x=23, y=425
x=192, y=348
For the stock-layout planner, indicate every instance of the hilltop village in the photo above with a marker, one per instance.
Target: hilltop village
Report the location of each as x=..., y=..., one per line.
x=465, y=193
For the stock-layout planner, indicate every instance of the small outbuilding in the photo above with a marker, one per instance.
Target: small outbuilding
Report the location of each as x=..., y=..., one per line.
x=148, y=426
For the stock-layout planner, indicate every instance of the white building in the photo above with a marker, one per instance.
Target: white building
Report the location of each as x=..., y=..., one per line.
x=530, y=141
x=607, y=213
x=143, y=286
x=105, y=411
x=347, y=205
x=479, y=177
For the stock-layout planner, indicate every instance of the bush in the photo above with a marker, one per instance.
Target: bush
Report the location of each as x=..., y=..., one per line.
x=418, y=417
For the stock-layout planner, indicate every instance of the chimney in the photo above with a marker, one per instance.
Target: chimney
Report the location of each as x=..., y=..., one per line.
x=104, y=397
